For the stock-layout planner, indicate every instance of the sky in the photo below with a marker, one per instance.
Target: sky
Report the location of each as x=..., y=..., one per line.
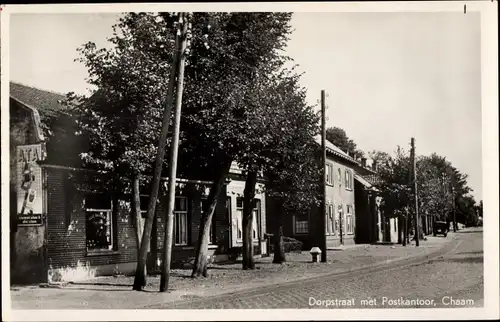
x=389, y=76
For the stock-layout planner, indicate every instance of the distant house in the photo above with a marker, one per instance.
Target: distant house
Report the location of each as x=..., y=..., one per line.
x=62, y=217
x=341, y=209
x=374, y=226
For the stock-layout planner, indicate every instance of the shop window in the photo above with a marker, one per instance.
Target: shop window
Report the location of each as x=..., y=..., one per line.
x=99, y=222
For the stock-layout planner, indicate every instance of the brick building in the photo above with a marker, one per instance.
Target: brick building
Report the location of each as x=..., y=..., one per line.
x=64, y=222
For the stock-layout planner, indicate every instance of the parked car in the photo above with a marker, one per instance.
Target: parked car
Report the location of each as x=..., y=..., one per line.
x=441, y=227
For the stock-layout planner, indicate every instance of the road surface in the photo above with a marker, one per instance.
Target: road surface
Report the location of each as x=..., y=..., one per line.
x=451, y=279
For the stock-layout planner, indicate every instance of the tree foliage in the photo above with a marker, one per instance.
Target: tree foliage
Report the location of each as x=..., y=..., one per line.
x=339, y=137
x=122, y=117
x=440, y=185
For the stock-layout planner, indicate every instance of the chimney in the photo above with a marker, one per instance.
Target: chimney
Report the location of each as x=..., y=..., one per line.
x=374, y=165
x=363, y=162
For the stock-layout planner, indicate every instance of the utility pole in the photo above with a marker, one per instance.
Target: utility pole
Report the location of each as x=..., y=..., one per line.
x=184, y=34
x=140, y=275
x=405, y=226
x=322, y=235
x=414, y=188
x=453, y=205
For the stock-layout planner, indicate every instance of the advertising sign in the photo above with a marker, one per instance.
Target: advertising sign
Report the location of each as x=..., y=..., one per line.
x=29, y=189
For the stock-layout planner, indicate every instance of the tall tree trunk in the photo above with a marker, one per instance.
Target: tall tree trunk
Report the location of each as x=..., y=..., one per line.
x=200, y=263
x=136, y=211
x=140, y=275
x=248, y=205
x=279, y=247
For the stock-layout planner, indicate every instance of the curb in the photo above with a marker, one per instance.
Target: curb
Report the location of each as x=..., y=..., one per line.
x=443, y=249
x=53, y=285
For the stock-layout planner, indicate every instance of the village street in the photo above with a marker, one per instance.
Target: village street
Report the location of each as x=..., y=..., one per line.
x=440, y=267
x=456, y=275
x=256, y=160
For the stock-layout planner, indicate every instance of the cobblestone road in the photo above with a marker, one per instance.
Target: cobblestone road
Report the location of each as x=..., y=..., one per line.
x=451, y=278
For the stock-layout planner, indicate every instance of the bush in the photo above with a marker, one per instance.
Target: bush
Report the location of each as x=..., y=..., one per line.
x=290, y=245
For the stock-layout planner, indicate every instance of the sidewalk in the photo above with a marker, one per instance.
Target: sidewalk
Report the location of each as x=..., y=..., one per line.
x=116, y=293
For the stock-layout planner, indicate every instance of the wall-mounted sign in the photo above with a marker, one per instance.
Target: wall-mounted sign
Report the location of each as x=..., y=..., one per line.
x=29, y=187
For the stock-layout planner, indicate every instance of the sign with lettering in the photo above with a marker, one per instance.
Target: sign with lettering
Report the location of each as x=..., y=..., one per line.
x=29, y=186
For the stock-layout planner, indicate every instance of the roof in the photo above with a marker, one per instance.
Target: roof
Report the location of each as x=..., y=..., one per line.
x=335, y=150
x=47, y=103
x=373, y=179
x=368, y=185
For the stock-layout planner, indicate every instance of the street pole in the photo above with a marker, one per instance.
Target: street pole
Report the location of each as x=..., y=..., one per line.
x=140, y=275
x=454, y=212
x=322, y=235
x=169, y=227
x=414, y=187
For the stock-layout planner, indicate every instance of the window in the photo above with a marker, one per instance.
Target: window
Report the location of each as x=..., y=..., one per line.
x=212, y=236
x=144, y=203
x=348, y=180
x=301, y=224
x=339, y=176
x=343, y=223
x=337, y=220
x=329, y=174
x=180, y=221
x=255, y=219
x=239, y=219
x=349, y=221
x=99, y=222
x=144, y=206
x=330, y=227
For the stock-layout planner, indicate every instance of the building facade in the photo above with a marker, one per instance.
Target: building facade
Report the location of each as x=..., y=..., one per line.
x=341, y=212
x=65, y=225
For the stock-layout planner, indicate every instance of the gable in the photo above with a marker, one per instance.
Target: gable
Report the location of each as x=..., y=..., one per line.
x=48, y=104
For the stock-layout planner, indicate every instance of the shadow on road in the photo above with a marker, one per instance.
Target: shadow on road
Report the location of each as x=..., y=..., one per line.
x=471, y=253
x=97, y=289
x=469, y=232
x=101, y=284
x=467, y=260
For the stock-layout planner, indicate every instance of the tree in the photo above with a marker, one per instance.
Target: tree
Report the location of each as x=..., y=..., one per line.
x=221, y=112
x=283, y=148
x=435, y=179
x=480, y=209
x=339, y=137
x=122, y=118
x=466, y=209
x=293, y=181
x=394, y=174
